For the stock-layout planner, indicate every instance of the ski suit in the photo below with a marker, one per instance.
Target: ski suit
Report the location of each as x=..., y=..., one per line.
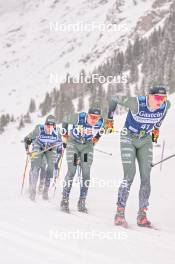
x=136, y=143
x=40, y=141
x=79, y=146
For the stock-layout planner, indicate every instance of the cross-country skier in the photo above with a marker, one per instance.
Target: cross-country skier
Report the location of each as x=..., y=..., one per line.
x=141, y=128
x=85, y=132
x=43, y=137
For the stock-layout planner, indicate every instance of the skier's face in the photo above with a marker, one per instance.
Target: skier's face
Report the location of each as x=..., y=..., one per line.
x=92, y=119
x=155, y=101
x=49, y=128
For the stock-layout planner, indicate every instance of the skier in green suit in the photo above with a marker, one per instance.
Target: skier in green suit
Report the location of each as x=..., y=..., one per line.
x=141, y=128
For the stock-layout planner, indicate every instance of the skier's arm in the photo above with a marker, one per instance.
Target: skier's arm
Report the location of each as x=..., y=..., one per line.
x=101, y=131
x=128, y=102
x=31, y=136
x=96, y=138
x=158, y=125
x=155, y=131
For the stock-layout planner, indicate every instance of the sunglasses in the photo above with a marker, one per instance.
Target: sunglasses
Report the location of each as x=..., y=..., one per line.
x=161, y=98
x=94, y=117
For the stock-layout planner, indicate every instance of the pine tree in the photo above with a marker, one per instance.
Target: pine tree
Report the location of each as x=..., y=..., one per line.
x=27, y=118
x=46, y=105
x=80, y=103
x=21, y=123
x=32, y=106
x=4, y=120
x=12, y=119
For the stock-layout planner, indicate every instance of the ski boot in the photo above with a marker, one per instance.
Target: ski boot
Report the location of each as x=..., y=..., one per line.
x=45, y=194
x=32, y=195
x=65, y=205
x=81, y=206
x=40, y=188
x=142, y=219
x=119, y=219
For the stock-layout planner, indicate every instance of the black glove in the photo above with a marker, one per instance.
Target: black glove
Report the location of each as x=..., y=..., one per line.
x=64, y=145
x=28, y=141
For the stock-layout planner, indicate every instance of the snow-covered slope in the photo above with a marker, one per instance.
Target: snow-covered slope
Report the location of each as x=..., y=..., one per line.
x=31, y=50
x=39, y=233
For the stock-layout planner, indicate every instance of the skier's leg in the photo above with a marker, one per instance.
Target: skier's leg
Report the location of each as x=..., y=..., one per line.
x=144, y=156
x=34, y=172
x=71, y=156
x=86, y=158
x=56, y=165
x=51, y=157
x=43, y=169
x=128, y=155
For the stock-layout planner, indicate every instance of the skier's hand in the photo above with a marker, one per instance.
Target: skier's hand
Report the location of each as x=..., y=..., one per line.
x=28, y=141
x=65, y=138
x=33, y=154
x=95, y=140
x=155, y=135
x=64, y=145
x=109, y=125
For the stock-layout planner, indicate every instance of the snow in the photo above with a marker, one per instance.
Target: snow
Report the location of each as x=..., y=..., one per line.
x=31, y=52
x=39, y=233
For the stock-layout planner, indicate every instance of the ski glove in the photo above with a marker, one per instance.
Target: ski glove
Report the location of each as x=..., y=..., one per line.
x=28, y=141
x=155, y=135
x=64, y=145
x=109, y=125
x=95, y=140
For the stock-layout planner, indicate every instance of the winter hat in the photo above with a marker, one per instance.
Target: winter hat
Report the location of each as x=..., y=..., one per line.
x=50, y=120
x=161, y=90
x=94, y=111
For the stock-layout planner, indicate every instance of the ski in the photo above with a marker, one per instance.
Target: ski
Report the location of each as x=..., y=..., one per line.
x=151, y=227
x=66, y=212
x=142, y=228
x=124, y=225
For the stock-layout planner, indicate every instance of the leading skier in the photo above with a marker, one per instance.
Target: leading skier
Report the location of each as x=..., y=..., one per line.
x=141, y=128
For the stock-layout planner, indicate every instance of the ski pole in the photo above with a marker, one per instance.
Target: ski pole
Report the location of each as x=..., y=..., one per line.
x=34, y=154
x=163, y=149
x=104, y=152
x=152, y=165
x=24, y=173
